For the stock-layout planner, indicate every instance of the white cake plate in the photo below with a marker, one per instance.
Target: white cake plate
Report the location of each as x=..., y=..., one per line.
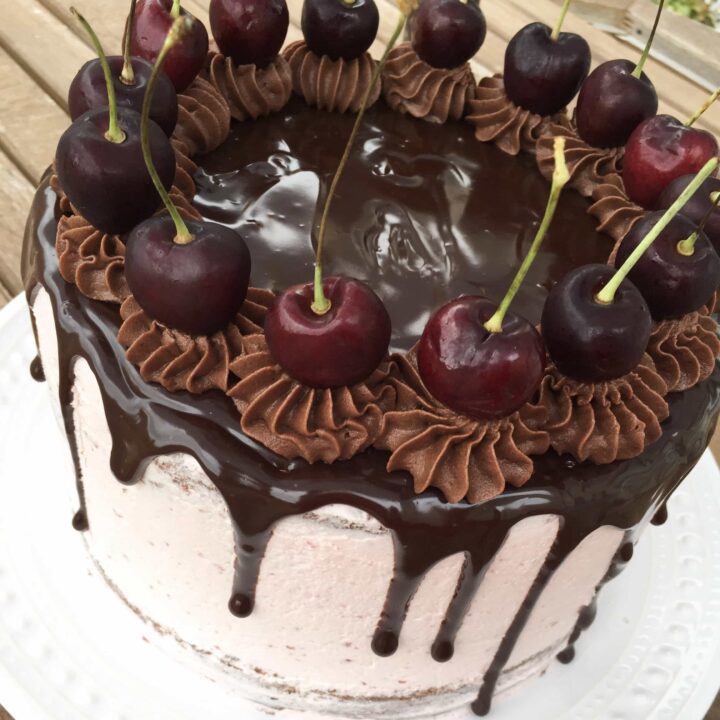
x=70, y=649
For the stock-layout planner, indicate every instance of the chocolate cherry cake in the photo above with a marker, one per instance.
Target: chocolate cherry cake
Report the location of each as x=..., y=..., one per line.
x=399, y=506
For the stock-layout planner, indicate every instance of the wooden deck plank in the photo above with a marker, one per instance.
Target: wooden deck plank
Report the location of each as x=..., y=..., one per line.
x=16, y=193
x=43, y=45
x=30, y=120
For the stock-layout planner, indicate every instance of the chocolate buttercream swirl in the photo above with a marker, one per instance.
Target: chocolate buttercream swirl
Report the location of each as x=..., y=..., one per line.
x=251, y=92
x=589, y=166
x=203, y=118
x=499, y=120
x=333, y=85
x=685, y=350
x=64, y=204
x=180, y=361
x=713, y=306
x=462, y=457
x=412, y=86
x=613, y=209
x=185, y=169
x=601, y=422
x=90, y=259
x=296, y=421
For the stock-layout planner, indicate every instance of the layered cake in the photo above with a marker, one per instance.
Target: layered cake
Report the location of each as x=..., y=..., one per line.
x=400, y=506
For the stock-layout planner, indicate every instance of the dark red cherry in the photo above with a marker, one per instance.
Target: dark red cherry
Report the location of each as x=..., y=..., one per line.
x=672, y=283
x=152, y=23
x=196, y=287
x=591, y=341
x=699, y=205
x=249, y=31
x=342, y=347
x=340, y=28
x=108, y=182
x=447, y=33
x=612, y=103
x=660, y=150
x=88, y=91
x=481, y=374
x=542, y=74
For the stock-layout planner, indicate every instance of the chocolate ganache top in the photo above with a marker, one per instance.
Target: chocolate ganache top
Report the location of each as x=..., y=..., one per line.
x=424, y=213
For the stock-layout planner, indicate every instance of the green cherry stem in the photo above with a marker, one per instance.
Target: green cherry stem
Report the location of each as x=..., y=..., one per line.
x=321, y=305
x=128, y=74
x=607, y=294
x=175, y=10
x=178, y=30
x=114, y=132
x=560, y=178
x=638, y=71
x=558, y=25
x=701, y=110
x=687, y=246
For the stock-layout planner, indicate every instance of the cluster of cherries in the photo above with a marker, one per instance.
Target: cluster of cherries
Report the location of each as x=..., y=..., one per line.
x=116, y=165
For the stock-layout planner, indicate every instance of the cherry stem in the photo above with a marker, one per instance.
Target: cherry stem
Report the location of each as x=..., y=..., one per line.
x=321, y=305
x=607, y=294
x=178, y=30
x=638, y=71
x=687, y=246
x=175, y=11
x=114, y=132
x=558, y=26
x=700, y=111
x=561, y=177
x=128, y=74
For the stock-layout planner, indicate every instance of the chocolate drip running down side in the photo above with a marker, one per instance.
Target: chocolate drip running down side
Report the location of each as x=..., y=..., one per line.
x=145, y=422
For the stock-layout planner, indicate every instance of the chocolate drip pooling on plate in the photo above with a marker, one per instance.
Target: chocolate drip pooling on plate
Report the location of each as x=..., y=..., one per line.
x=278, y=166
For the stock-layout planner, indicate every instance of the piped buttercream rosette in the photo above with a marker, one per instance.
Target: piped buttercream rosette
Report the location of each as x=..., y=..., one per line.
x=332, y=85
x=499, y=120
x=412, y=86
x=180, y=361
x=462, y=457
x=296, y=421
x=600, y=422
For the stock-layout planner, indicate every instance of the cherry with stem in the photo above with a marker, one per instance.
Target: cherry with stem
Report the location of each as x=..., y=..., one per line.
x=192, y=276
x=638, y=71
x=687, y=246
x=127, y=76
x=477, y=358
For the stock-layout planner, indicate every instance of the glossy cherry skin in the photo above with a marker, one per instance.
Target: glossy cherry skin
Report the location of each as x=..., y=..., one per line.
x=660, y=150
x=698, y=206
x=339, y=29
x=612, y=103
x=342, y=347
x=588, y=340
x=108, y=182
x=197, y=288
x=447, y=33
x=152, y=23
x=88, y=91
x=541, y=74
x=475, y=372
x=672, y=284
x=251, y=32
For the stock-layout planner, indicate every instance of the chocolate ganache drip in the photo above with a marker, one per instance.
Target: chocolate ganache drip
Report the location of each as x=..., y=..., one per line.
x=250, y=91
x=91, y=259
x=589, y=166
x=601, y=422
x=296, y=421
x=180, y=361
x=685, y=351
x=412, y=86
x=333, y=85
x=460, y=456
x=498, y=119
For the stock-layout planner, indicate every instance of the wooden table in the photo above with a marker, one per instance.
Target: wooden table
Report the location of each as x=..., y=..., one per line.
x=41, y=49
